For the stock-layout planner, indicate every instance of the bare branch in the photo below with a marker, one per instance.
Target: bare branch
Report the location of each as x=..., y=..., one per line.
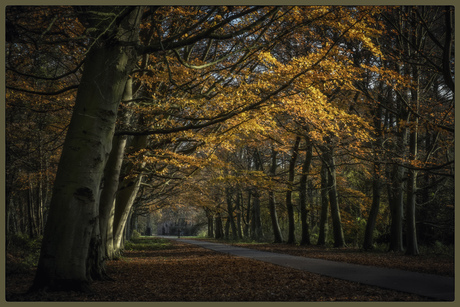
x=58, y=92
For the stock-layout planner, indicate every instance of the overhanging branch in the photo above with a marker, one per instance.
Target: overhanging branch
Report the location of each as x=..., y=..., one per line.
x=58, y=92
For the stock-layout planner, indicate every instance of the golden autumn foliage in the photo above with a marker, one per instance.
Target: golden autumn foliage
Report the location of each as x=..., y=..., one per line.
x=217, y=88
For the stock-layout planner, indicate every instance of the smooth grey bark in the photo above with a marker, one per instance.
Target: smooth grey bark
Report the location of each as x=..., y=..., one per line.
x=396, y=196
x=127, y=193
x=396, y=209
x=374, y=211
x=411, y=230
x=72, y=225
x=30, y=211
x=257, y=232
x=305, y=240
x=289, y=205
x=210, y=219
x=227, y=229
x=219, y=233
x=210, y=226
x=256, y=224
x=230, y=210
x=108, y=195
x=403, y=115
x=337, y=230
x=411, y=227
x=238, y=214
x=324, y=206
x=376, y=182
x=125, y=200
x=247, y=218
x=278, y=238
x=396, y=190
x=111, y=182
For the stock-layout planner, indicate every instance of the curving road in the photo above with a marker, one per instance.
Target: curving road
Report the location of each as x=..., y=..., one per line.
x=438, y=288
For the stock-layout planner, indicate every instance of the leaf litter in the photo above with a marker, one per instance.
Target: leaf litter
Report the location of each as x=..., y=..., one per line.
x=188, y=273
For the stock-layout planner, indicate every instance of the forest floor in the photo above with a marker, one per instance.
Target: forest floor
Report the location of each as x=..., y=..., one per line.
x=159, y=270
x=433, y=263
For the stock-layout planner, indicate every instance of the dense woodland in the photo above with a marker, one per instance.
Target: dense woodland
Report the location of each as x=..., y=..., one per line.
x=304, y=125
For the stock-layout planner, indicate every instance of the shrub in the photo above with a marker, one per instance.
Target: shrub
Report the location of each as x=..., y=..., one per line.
x=135, y=235
x=23, y=253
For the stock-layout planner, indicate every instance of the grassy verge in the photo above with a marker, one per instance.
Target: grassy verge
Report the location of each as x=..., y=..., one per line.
x=435, y=250
x=147, y=243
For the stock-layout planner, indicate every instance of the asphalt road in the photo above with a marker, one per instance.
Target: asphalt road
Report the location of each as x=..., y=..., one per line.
x=438, y=288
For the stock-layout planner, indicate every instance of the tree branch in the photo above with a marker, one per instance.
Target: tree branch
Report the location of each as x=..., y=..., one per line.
x=58, y=92
x=253, y=106
x=47, y=78
x=209, y=33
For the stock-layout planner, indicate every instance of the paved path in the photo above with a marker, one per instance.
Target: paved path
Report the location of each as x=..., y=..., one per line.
x=432, y=286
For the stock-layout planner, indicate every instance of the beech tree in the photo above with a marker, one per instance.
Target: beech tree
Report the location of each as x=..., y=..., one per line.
x=66, y=260
x=248, y=110
x=73, y=209
x=400, y=107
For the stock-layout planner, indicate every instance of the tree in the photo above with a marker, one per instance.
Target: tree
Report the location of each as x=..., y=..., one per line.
x=64, y=258
x=36, y=124
x=278, y=238
x=324, y=206
x=73, y=209
x=212, y=103
x=402, y=105
x=290, y=207
x=303, y=193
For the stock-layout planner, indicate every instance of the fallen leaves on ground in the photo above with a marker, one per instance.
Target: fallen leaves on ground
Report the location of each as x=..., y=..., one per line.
x=184, y=272
x=430, y=264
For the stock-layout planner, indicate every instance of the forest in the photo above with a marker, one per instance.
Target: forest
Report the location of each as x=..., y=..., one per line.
x=307, y=125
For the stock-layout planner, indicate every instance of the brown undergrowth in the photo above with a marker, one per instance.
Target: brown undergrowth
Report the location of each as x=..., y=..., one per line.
x=183, y=272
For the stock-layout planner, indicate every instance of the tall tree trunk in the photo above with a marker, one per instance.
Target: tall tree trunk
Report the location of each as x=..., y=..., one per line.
x=289, y=205
x=411, y=231
x=373, y=213
x=257, y=233
x=238, y=213
x=108, y=196
x=219, y=227
x=30, y=210
x=324, y=205
x=131, y=224
x=396, y=197
x=339, y=240
x=396, y=191
x=123, y=206
x=272, y=204
x=111, y=182
x=127, y=193
x=40, y=196
x=74, y=207
x=396, y=210
x=210, y=218
x=247, y=220
x=303, y=194
x=376, y=182
x=227, y=229
x=230, y=214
